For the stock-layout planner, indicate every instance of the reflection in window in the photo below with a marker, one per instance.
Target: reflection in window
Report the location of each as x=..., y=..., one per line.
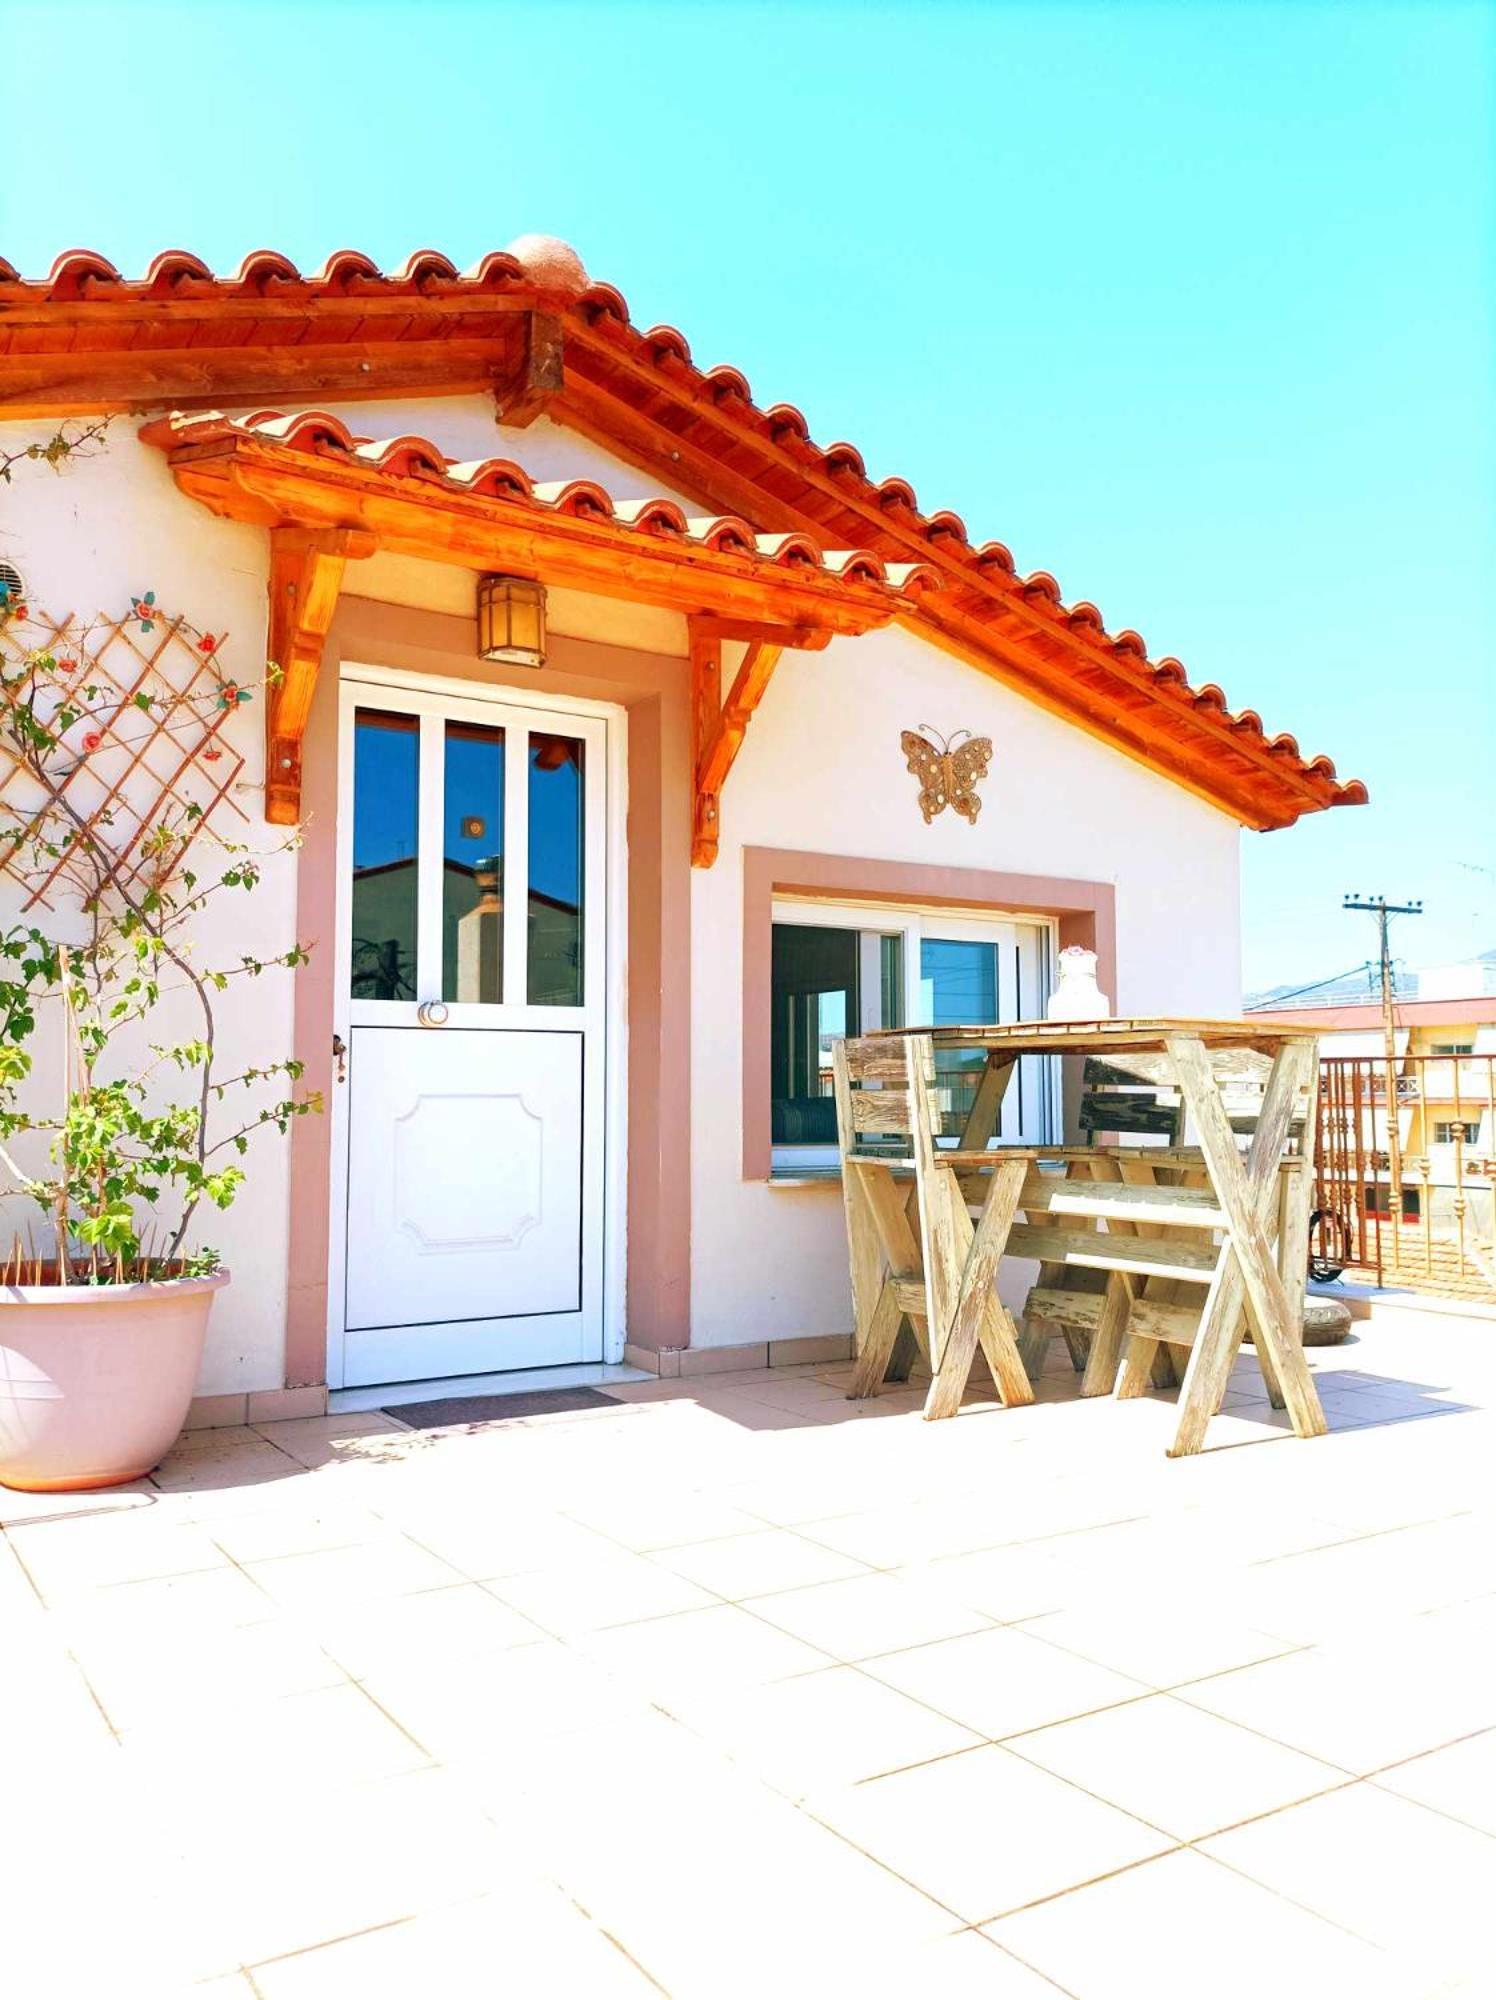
x=385, y=790
x=959, y=986
x=814, y=998
x=473, y=863
x=556, y=848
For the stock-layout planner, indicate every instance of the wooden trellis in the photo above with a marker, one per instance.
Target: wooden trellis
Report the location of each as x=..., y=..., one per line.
x=147, y=749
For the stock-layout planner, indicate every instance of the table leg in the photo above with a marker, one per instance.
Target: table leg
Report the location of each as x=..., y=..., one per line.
x=977, y=1313
x=879, y=1210
x=1105, y=1357
x=1246, y=1195
x=913, y=1343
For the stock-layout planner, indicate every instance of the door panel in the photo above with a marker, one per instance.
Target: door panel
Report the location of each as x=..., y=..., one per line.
x=467, y=1194
x=473, y=1002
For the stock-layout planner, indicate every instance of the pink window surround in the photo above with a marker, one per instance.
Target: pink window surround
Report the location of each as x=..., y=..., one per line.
x=653, y=690
x=1084, y=911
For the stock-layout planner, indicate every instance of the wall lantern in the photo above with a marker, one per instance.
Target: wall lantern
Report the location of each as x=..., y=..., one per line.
x=511, y=620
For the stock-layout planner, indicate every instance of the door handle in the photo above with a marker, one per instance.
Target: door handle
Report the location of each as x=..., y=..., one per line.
x=340, y=1057
x=432, y=1014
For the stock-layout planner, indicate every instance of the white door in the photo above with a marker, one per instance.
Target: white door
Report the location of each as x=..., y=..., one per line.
x=473, y=987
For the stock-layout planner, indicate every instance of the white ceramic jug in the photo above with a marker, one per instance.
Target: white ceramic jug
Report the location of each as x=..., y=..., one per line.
x=1078, y=997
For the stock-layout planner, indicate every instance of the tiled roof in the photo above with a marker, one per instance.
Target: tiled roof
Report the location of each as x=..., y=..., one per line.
x=318, y=434
x=87, y=338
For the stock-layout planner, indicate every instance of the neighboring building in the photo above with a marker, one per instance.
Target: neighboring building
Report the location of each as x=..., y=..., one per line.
x=1445, y=1075
x=646, y=881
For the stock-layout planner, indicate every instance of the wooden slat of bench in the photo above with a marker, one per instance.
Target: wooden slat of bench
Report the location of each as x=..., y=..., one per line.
x=1172, y=1207
x=877, y=1061
x=879, y=1110
x=1150, y=1318
x=1096, y=1251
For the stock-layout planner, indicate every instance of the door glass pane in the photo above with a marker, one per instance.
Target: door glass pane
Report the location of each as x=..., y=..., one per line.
x=385, y=788
x=473, y=863
x=813, y=999
x=958, y=984
x=556, y=807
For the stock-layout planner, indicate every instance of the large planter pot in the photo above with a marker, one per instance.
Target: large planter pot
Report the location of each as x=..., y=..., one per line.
x=95, y=1380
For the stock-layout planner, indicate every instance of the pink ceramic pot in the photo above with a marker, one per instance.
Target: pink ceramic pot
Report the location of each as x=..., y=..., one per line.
x=95, y=1380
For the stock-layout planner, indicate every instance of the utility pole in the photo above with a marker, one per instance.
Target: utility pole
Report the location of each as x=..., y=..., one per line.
x=1382, y=910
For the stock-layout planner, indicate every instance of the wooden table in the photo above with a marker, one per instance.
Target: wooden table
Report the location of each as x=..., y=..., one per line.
x=928, y=1224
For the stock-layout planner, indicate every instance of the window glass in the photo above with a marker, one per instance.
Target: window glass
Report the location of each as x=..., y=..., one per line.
x=959, y=986
x=473, y=863
x=556, y=847
x=385, y=791
x=1444, y=1130
x=813, y=984
x=891, y=981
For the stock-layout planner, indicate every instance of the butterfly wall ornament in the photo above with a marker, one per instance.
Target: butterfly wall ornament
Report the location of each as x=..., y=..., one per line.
x=948, y=769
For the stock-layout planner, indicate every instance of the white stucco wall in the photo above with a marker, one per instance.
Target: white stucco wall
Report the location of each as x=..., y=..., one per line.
x=86, y=539
x=821, y=770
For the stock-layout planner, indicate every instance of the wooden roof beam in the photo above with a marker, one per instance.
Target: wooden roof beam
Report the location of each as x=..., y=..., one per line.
x=306, y=575
x=440, y=524
x=658, y=448
x=718, y=727
x=193, y=378
x=537, y=377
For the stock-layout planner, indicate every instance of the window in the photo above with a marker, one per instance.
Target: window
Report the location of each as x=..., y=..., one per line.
x=838, y=971
x=1379, y=1202
x=386, y=752
x=1444, y=1130
x=1451, y=1048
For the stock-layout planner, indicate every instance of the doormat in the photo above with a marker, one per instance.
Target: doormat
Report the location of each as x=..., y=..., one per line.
x=437, y=1415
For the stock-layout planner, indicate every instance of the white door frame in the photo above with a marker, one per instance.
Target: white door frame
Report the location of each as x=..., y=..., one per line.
x=615, y=930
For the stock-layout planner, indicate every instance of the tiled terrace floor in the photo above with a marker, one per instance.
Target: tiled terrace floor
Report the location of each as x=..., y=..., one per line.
x=737, y=1688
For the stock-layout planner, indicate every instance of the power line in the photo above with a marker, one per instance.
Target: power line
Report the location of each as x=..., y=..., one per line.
x=1277, y=999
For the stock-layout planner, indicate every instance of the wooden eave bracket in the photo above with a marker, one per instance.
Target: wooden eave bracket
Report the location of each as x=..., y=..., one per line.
x=717, y=726
x=306, y=575
x=525, y=392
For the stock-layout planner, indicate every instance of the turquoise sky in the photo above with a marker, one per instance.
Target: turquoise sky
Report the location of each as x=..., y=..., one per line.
x=1190, y=304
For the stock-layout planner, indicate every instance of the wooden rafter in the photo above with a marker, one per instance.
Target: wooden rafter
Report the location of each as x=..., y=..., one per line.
x=537, y=377
x=706, y=717
x=718, y=727
x=249, y=482
x=306, y=574
x=89, y=341
x=323, y=511
x=988, y=623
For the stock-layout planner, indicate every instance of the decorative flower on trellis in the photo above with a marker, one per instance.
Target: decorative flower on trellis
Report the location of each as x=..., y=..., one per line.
x=128, y=740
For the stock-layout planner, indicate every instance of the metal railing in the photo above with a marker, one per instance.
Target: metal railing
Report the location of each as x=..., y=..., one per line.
x=1411, y=1200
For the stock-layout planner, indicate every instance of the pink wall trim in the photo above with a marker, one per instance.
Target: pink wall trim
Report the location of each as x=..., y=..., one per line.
x=1086, y=914
x=653, y=689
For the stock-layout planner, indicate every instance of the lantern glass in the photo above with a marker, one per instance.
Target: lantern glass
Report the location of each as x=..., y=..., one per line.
x=511, y=620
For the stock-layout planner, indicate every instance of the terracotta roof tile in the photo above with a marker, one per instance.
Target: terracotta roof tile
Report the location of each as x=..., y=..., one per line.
x=762, y=461
x=317, y=433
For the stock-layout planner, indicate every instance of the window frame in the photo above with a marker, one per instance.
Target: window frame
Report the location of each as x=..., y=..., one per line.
x=1472, y=1123
x=910, y=923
